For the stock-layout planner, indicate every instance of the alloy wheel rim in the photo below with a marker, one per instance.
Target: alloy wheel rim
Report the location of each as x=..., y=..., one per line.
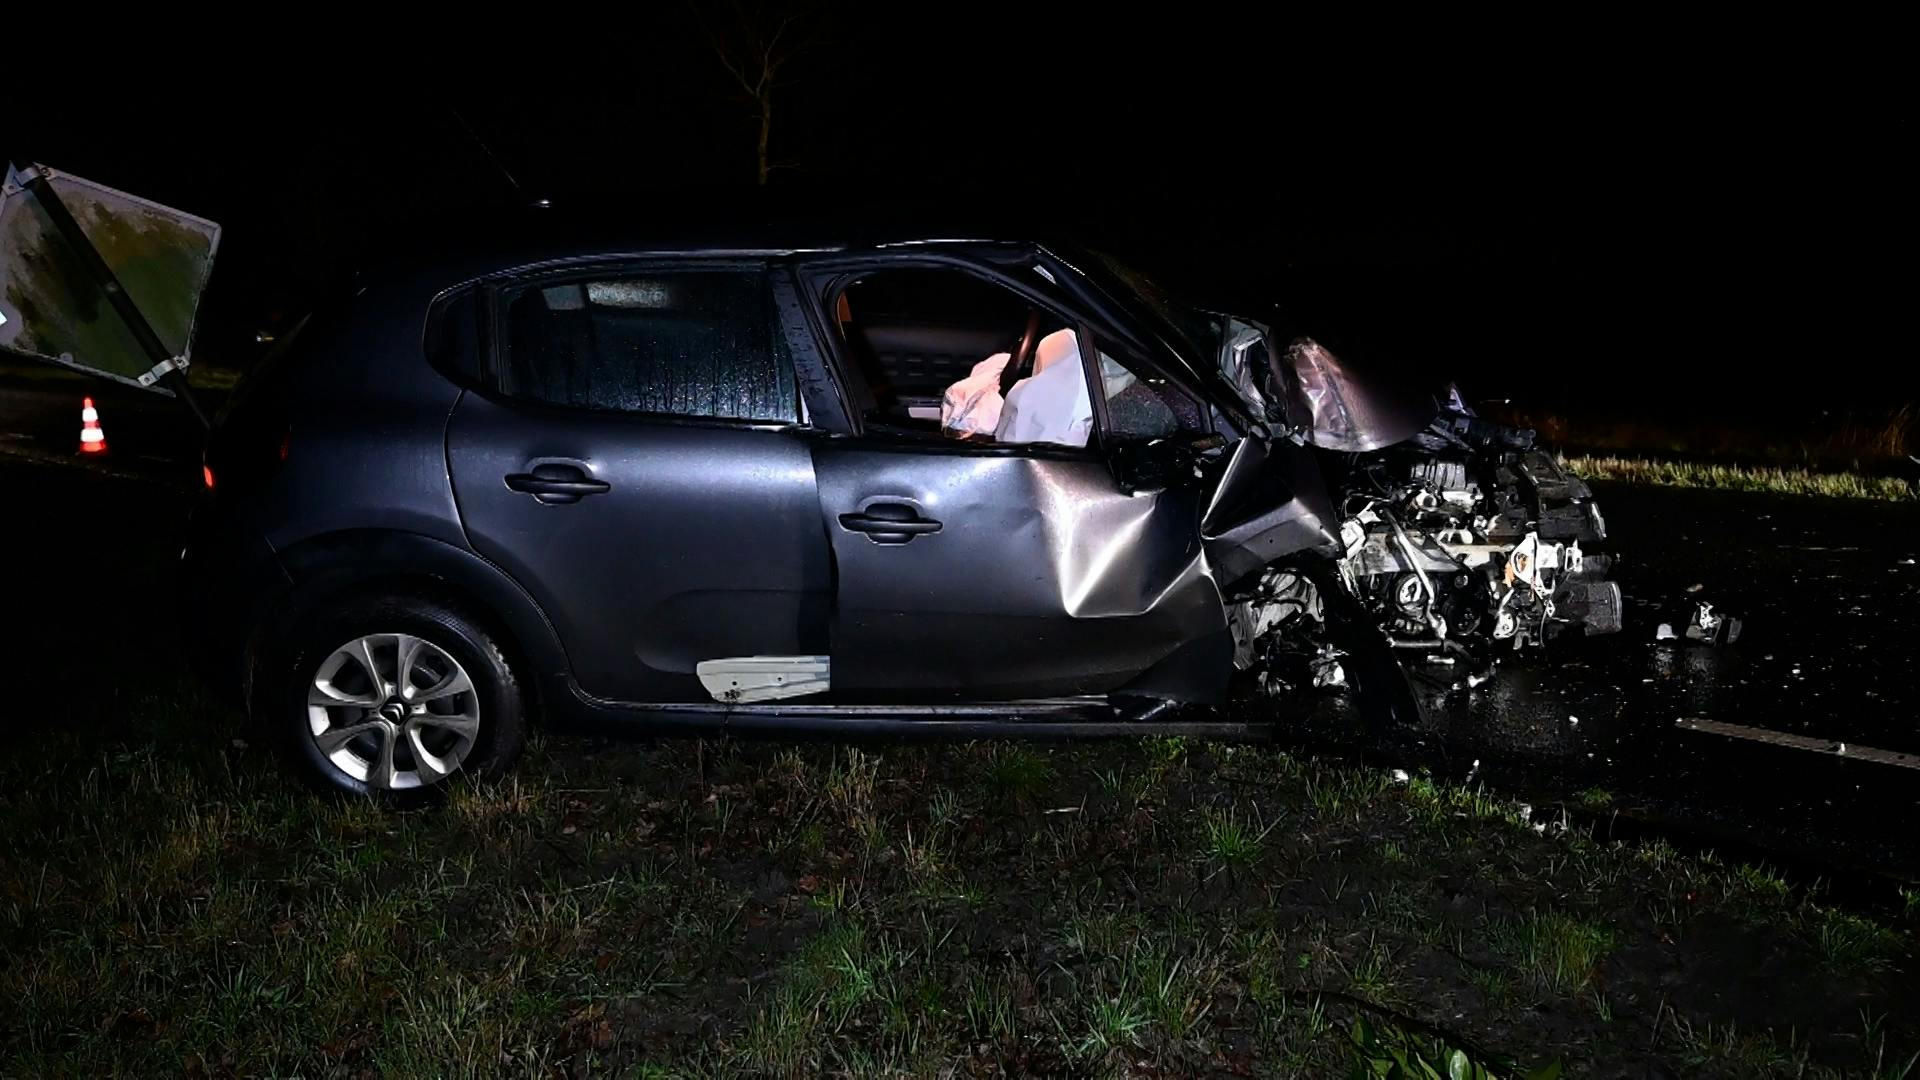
x=393, y=711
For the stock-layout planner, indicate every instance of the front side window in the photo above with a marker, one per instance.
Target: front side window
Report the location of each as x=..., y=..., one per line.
x=679, y=342
x=939, y=352
x=1141, y=408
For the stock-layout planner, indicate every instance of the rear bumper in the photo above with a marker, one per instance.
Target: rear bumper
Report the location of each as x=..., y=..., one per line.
x=229, y=579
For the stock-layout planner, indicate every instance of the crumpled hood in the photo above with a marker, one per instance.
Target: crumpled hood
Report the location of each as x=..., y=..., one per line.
x=1345, y=410
x=1307, y=388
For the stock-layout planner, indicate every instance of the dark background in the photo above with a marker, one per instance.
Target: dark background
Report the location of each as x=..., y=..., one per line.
x=1643, y=217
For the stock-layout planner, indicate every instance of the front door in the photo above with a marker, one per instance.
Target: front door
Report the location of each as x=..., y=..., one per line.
x=987, y=552
x=983, y=575
x=635, y=463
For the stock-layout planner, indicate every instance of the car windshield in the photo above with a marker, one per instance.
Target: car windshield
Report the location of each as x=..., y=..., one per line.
x=1193, y=327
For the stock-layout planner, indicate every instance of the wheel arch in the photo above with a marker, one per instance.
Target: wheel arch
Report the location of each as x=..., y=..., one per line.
x=325, y=571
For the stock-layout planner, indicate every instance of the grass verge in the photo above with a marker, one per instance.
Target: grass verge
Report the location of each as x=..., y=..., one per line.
x=165, y=897
x=1770, y=479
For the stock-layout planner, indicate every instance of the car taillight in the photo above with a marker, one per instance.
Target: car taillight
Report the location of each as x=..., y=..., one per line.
x=243, y=456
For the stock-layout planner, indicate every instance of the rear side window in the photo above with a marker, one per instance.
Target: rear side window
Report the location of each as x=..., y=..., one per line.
x=680, y=342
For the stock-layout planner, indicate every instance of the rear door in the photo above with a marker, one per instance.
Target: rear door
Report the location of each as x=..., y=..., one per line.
x=635, y=458
x=978, y=570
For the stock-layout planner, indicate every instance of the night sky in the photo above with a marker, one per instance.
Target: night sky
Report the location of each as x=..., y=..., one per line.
x=1652, y=218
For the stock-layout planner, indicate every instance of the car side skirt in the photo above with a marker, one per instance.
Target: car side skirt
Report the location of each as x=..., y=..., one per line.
x=1064, y=718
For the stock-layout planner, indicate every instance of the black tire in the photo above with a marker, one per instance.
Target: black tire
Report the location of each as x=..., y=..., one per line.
x=502, y=720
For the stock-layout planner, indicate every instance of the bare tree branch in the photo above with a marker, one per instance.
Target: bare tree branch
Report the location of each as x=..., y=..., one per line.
x=753, y=50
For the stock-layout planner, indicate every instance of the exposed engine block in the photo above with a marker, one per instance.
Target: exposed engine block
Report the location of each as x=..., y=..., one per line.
x=1440, y=476
x=1441, y=558
x=1461, y=538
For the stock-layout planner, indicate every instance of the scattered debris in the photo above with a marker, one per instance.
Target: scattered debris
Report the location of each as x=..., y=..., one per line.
x=1702, y=624
x=1711, y=627
x=1327, y=670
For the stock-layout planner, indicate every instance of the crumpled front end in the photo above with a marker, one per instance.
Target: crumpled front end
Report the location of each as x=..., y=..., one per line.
x=1468, y=534
x=1441, y=534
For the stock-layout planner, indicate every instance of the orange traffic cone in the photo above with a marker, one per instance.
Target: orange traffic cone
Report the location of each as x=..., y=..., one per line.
x=92, y=439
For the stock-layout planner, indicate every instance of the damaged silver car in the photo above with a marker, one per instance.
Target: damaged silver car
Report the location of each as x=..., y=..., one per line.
x=892, y=485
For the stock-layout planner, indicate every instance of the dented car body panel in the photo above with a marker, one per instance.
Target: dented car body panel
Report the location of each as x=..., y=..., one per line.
x=1346, y=410
x=1043, y=580
x=1269, y=502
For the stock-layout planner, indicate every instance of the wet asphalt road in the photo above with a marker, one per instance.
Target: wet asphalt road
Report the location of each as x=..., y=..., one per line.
x=1829, y=591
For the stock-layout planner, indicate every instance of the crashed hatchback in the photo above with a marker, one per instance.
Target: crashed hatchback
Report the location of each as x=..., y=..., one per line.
x=788, y=482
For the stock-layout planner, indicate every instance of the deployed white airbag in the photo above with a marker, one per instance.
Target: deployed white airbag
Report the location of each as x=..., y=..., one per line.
x=1051, y=405
x=971, y=407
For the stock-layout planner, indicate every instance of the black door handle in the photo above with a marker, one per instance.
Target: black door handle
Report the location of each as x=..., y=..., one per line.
x=557, y=484
x=889, y=523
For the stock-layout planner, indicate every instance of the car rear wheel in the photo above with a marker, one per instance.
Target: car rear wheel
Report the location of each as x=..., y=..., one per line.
x=398, y=698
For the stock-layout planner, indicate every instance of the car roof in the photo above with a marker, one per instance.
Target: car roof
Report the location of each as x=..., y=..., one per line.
x=456, y=248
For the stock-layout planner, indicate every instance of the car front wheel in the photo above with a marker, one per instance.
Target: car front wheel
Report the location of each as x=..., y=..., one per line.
x=399, y=698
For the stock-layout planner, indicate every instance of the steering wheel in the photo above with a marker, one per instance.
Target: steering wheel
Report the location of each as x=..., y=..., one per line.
x=1020, y=364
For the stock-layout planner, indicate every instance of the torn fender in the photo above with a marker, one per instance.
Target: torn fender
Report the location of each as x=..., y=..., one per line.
x=1270, y=502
